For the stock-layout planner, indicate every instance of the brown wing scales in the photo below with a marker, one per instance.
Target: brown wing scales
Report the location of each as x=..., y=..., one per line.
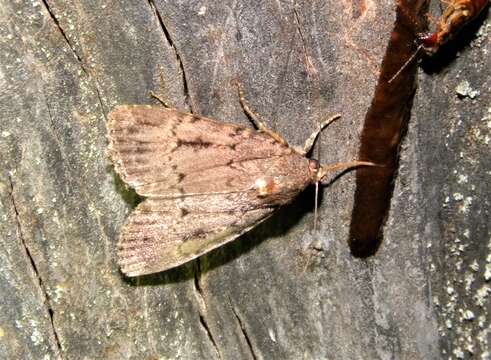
x=164, y=233
x=207, y=183
x=173, y=144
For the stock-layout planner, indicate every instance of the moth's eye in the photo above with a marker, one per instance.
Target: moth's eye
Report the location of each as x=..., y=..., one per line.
x=314, y=165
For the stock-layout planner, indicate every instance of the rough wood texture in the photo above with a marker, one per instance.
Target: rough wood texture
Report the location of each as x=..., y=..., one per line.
x=65, y=65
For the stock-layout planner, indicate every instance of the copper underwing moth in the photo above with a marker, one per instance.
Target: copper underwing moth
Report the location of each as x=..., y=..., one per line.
x=205, y=182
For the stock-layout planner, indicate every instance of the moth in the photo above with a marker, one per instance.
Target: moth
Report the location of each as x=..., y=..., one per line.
x=456, y=15
x=205, y=182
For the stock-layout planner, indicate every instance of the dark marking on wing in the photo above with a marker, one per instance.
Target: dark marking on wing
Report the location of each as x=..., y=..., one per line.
x=193, y=119
x=197, y=233
x=147, y=122
x=197, y=144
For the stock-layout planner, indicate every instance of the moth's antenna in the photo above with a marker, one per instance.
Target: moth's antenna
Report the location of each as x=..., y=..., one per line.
x=408, y=61
x=324, y=170
x=315, y=204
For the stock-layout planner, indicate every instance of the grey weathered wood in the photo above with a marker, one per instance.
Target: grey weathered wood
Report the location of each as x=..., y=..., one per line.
x=64, y=65
x=448, y=165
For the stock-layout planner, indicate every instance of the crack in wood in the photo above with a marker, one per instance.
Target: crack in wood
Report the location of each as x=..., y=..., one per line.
x=77, y=56
x=244, y=332
x=187, y=95
x=202, y=307
x=35, y=270
x=60, y=29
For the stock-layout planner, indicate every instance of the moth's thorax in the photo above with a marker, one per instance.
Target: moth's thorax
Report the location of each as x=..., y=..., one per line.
x=285, y=179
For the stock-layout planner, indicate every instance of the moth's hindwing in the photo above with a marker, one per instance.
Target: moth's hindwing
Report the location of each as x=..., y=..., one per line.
x=206, y=182
x=164, y=233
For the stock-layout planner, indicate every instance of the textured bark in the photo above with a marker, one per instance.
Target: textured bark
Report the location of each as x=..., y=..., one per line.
x=283, y=290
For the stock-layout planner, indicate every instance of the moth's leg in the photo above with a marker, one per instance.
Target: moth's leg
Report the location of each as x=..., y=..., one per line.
x=165, y=103
x=433, y=21
x=260, y=124
x=311, y=139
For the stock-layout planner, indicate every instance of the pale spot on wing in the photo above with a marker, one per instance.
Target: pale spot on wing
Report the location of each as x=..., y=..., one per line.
x=149, y=145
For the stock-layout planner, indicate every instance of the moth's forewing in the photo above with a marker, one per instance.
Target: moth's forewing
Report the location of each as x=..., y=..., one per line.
x=161, y=151
x=207, y=183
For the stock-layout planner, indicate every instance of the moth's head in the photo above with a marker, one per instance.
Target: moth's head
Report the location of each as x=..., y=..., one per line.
x=429, y=42
x=314, y=167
